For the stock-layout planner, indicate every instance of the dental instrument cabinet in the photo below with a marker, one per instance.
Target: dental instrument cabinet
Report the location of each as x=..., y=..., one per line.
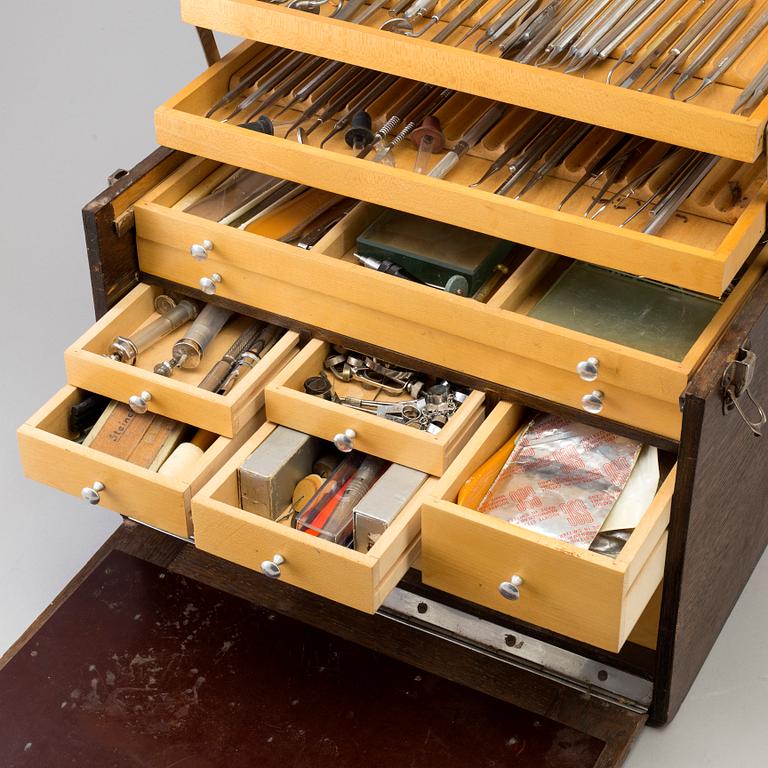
x=601, y=645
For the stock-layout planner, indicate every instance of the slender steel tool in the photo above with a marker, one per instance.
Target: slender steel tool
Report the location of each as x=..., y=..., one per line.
x=754, y=92
x=223, y=367
x=483, y=20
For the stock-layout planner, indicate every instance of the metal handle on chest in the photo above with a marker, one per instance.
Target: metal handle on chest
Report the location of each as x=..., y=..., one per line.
x=271, y=567
x=511, y=589
x=93, y=494
x=200, y=251
x=140, y=403
x=208, y=285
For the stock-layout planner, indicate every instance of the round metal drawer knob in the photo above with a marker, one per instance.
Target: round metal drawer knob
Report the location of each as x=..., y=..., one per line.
x=271, y=567
x=93, y=494
x=593, y=402
x=345, y=441
x=511, y=589
x=208, y=284
x=140, y=403
x=200, y=251
x=588, y=369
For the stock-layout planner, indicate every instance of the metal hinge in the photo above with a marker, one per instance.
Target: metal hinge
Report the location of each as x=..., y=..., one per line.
x=578, y=672
x=735, y=384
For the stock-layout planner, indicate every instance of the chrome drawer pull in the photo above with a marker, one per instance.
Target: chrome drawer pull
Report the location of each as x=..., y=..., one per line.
x=200, y=251
x=594, y=401
x=588, y=369
x=271, y=567
x=345, y=441
x=511, y=589
x=208, y=284
x=93, y=494
x=139, y=403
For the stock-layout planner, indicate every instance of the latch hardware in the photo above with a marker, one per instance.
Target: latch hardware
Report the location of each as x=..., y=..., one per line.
x=737, y=379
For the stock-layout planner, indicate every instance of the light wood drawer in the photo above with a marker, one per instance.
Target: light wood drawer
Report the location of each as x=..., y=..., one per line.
x=495, y=341
x=698, y=252
x=289, y=405
x=359, y=580
x=705, y=124
x=178, y=397
x=51, y=456
x=575, y=592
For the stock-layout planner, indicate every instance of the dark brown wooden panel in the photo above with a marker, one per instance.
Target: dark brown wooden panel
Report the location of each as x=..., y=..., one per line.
x=144, y=665
x=112, y=252
x=719, y=525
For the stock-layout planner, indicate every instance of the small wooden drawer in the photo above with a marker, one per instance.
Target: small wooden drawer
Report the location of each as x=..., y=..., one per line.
x=705, y=124
x=496, y=340
x=356, y=579
x=289, y=405
x=699, y=251
x=50, y=455
x=590, y=597
x=178, y=397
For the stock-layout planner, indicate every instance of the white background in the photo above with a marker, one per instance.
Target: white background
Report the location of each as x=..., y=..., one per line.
x=80, y=81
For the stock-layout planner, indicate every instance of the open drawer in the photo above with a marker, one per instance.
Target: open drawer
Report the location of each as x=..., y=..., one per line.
x=359, y=580
x=288, y=404
x=697, y=250
x=50, y=455
x=705, y=124
x=179, y=397
x=495, y=340
x=578, y=593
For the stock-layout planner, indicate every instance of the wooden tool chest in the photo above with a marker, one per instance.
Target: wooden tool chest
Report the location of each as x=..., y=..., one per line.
x=600, y=644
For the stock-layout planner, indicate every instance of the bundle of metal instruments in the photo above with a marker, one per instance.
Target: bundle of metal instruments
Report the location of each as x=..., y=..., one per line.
x=339, y=96
x=699, y=39
x=250, y=345
x=427, y=407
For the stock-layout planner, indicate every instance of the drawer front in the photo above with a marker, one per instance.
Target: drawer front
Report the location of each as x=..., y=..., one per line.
x=706, y=124
x=698, y=252
x=359, y=580
x=49, y=456
x=178, y=397
x=577, y=593
x=289, y=405
x=432, y=337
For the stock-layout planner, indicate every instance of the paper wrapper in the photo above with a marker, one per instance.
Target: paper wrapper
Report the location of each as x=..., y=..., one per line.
x=562, y=479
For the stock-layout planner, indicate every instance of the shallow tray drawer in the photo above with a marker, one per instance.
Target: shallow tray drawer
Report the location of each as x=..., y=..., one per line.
x=589, y=597
x=50, y=455
x=178, y=397
x=356, y=579
x=698, y=252
x=705, y=124
x=289, y=405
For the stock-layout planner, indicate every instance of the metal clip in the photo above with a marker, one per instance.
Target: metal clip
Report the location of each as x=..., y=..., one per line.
x=737, y=379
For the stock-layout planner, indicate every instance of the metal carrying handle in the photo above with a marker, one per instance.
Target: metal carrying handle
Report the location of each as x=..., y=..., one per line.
x=93, y=494
x=510, y=590
x=736, y=381
x=271, y=567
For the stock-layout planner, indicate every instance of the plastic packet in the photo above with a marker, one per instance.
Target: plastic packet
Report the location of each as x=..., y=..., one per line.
x=562, y=479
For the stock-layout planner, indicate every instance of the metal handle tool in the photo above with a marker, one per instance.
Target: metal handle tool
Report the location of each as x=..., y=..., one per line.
x=483, y=20
x=732, y=54
x=709, y=48
x=506, y=20
x=754, y=92
x=222, y=368
x=668, y=10
x=266, y=339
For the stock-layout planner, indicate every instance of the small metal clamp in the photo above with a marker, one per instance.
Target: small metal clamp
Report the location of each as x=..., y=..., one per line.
x=736, y=381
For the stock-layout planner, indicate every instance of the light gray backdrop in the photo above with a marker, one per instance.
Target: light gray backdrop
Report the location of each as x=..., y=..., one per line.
x=79, y=84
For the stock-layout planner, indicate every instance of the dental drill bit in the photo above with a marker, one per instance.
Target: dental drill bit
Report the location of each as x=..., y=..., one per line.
x=708, y=50
x=732, y=54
